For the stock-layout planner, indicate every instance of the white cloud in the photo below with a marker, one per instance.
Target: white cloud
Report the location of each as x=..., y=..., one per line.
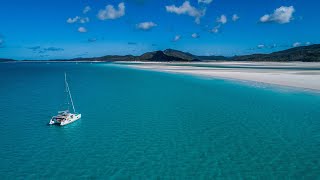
x=73, y=20
x=222, y=19
x=86, y=9
x=281, y=15
x=84, y=20
x=195, y=35
x=216, y=29
x=187, y=9
x=82, y=29
x=146, y=25
x=235, y=17
x=111, y=13
x=205, y=1
x=296, y=44
x=260, y=46
x=273, y=46
x=176, y=38
x=78, y=19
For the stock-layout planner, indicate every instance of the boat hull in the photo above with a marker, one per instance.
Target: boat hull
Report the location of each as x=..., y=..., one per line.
x=72, y=119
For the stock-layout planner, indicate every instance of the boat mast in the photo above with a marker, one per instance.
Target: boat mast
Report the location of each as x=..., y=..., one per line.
x=68, y=89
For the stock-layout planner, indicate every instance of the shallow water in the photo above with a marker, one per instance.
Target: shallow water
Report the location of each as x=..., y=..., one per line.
x=143, y=124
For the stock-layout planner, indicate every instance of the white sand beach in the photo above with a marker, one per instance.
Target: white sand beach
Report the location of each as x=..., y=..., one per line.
x=293, y=74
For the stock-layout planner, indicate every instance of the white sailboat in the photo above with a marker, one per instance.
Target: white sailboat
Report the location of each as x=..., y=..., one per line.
x=66, y=117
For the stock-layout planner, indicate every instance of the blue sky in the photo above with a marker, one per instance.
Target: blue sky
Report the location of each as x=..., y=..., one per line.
x=37, y=29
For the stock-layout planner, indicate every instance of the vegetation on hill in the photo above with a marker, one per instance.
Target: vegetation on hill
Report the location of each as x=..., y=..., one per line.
x=5, y=60
x=304, y=53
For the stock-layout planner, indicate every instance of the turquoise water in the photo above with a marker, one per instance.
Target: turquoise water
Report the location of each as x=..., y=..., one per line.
x=146, y=125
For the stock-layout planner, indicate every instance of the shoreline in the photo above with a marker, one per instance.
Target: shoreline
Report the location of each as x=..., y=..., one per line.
x=303, y=76
x=300, y=75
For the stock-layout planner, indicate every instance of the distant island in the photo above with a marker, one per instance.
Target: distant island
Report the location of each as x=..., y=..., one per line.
x=5, y=60
x=309, y=53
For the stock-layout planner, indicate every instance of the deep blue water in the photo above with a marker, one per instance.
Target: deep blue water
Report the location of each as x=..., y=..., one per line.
x=146, y=125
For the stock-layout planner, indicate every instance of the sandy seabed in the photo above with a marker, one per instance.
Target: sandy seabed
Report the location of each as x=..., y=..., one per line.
x=293, y=74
